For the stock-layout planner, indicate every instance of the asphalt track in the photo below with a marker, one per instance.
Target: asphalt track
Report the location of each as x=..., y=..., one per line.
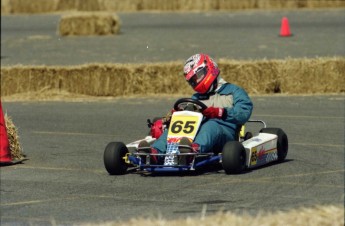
x=157, y=37
x=64, y=181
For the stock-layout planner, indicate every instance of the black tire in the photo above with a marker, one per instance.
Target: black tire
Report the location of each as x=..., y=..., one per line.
x=282, y=142
x=233, y=157
x=113, y=158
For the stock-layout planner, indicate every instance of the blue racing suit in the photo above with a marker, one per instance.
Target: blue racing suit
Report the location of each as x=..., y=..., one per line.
x=214, y=133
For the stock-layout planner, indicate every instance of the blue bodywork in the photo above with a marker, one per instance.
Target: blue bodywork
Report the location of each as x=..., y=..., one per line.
x=208, y=158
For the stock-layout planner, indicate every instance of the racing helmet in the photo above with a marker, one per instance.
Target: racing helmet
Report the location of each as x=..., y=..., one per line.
x=201, y=73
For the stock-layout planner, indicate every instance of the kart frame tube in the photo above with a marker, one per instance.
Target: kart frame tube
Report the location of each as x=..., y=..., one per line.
x=163, y=168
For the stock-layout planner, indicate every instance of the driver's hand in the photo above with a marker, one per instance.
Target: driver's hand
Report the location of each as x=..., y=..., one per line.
x=212, y=112
x=168, y=116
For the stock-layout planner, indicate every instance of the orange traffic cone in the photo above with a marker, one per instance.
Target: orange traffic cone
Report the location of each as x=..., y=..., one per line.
x=285, y=28
x=5, y=153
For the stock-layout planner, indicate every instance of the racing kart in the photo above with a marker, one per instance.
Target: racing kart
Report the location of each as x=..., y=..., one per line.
x=246, y=152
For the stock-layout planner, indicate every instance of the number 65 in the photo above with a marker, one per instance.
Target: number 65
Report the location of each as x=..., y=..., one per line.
x=179, y=126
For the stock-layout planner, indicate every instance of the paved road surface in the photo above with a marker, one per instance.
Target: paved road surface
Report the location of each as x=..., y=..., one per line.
x=152, y=37
x=65, y=181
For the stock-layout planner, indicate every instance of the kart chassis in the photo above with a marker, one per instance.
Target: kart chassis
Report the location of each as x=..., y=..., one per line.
x=248, y=151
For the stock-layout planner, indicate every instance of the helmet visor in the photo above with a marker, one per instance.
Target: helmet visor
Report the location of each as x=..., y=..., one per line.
x=198, y=76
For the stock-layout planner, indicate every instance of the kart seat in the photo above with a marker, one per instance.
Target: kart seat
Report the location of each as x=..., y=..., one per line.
x=241, y=135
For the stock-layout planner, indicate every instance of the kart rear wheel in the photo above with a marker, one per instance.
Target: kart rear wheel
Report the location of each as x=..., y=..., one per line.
x=113, y=157
x=282, y=142
x=233, y=157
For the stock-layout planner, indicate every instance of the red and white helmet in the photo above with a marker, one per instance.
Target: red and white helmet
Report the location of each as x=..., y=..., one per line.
x=201, y=72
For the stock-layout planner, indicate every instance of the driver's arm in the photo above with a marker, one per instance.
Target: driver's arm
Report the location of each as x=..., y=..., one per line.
x=242, y=107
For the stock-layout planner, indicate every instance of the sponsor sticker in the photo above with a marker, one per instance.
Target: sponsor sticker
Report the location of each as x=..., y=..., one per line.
x=262, y=156
x=253, y=157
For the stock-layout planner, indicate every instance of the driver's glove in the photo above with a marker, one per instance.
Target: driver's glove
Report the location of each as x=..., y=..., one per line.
x=167, y=118
x=212, y=112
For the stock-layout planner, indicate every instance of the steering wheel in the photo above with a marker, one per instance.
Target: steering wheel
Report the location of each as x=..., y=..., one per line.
x=200, y=105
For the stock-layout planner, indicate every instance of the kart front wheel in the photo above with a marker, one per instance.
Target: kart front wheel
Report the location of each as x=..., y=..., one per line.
x=114, y=158
x=233, y=157
x=282, y=142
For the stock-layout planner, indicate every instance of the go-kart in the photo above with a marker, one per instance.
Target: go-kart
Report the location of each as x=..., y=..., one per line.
x=246, y=152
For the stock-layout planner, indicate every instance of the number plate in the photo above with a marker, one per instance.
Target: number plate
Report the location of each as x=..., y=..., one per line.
x=184, y=124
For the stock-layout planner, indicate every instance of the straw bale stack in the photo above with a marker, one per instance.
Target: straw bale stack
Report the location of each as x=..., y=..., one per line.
x=311, y=76
x=44, y=6
x=290, y=76
x=77, y=5
x=13, y=138
x=89, y=23
x=206, y=5
x=257, y=77
x=25, y=6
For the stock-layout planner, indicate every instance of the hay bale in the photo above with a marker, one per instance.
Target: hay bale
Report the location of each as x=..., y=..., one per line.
x=89, y=23
x=13, y=138
x=257, y=77
x=290, y=76
x=235, y=5
x=78, y=5
x=312, y=76
x=157, y=5
x=5, y=6
x=25, y=6
x=206, y=5
x=41, y=6
x=117, y=5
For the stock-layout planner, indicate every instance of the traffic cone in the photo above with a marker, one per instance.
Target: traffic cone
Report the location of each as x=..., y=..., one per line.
x=285, y=28
x=5, y=153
